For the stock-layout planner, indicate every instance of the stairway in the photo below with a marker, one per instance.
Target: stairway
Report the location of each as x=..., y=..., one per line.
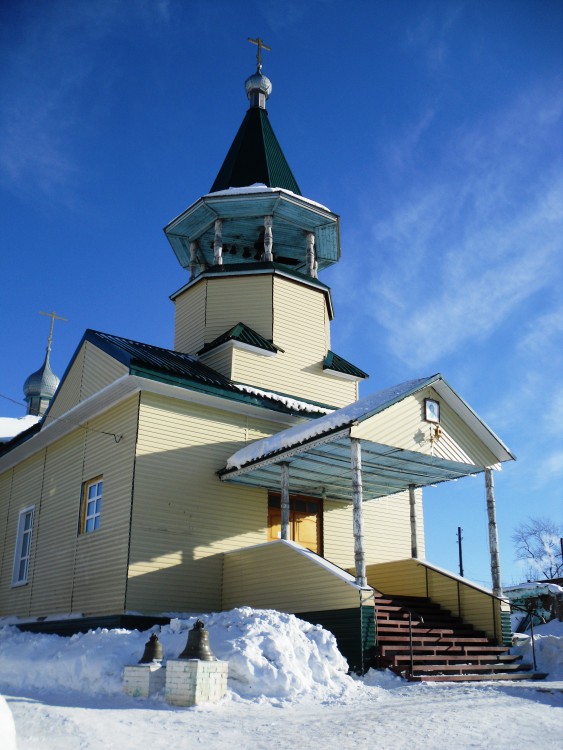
x=445, y=649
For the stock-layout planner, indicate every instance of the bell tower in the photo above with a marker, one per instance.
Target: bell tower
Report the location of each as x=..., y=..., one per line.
x=254, y=308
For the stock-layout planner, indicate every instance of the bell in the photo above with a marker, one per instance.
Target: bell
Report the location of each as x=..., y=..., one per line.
x=197, y=646
x=153, y=650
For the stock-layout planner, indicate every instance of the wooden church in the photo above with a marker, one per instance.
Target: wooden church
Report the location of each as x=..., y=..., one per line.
x=241, y=468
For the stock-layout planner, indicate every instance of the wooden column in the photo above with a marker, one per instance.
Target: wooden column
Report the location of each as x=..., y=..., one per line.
x=311, y=260
x=218, y=243
x=358, y=511
x=193, y=259
x=268, y=239
x=412, y=501
x=285, y=501
x=493, y=532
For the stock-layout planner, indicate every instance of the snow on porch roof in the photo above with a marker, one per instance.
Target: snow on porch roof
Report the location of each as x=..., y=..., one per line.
x=319, y=450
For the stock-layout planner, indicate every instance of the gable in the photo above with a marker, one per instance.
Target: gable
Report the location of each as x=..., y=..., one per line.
x=402, y=425
x=89, y=372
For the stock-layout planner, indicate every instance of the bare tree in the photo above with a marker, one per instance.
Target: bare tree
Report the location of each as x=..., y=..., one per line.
x=538, y=543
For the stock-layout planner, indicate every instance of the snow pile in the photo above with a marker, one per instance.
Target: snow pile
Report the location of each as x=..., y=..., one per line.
x=291, y=403
x=7, y=726
x=12, y=426
x=548, y=640
x=271, y=656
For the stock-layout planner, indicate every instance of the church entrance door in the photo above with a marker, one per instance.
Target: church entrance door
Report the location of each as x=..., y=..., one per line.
x=305, y=520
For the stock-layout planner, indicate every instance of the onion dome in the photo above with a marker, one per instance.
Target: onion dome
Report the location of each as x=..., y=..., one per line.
x=40, y=387
x=258, y=89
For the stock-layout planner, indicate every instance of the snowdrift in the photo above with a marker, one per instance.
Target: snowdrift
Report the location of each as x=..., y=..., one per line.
x=271, y=655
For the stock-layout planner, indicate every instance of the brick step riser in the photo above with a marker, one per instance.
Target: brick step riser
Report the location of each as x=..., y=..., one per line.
x=513, y=677
x=460, y=650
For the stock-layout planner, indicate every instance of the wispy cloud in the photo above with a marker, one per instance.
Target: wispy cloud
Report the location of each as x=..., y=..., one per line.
x=43, y=106
x=471, y=243
x=430, y=33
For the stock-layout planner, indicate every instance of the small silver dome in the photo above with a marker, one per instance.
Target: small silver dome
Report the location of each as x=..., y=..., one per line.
x=258, y=89
x=42, y=383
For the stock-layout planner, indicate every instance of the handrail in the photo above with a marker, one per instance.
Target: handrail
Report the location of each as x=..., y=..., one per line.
x=459, y=579
x=530, y=611
x=411, y=650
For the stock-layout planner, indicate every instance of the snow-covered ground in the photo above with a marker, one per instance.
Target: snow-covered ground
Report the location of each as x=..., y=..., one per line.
x=288, y=687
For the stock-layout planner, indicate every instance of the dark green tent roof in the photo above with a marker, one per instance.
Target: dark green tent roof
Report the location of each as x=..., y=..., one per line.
x=255, y=156
x=245, y=335
x=333, y=361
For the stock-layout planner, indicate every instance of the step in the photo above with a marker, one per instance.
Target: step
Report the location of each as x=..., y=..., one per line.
x=436, y=648
x=469, y=668
x=434, y=623
x=460, y=658
x=499, y=676
x=429, y=639
x=421, y=630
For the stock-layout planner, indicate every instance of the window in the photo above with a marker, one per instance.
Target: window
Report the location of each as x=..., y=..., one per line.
x=91, y=505
x=23, y=546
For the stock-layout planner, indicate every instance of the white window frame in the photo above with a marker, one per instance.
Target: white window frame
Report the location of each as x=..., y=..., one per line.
x=22, y=552
x=92, y=505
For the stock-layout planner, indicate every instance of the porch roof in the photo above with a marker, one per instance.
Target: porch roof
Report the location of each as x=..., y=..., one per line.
x=319, y=451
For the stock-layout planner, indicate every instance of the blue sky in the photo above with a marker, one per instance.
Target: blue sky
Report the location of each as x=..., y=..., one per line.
x=432, y=128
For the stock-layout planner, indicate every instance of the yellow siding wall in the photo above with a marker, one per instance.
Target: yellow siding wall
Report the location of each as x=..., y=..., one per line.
x=294, y=582
x=70, y=572
x=386, y=530
x=403, y=426
x=413, y=578
x=220, y=360
x=190, y=319
x=184, y=517
x=301, y=330
x=246, y=299
x=91, y=371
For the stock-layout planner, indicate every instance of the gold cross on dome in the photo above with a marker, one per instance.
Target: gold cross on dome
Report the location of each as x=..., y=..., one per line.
x=261, y=46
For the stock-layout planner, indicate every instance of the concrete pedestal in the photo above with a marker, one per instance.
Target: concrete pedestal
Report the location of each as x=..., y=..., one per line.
x=143, y=680
x=190, y=682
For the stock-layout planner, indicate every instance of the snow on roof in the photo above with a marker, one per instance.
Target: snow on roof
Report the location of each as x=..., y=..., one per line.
x=259, y=187
x=340, y=418
x=291, y=403
x=12, y=426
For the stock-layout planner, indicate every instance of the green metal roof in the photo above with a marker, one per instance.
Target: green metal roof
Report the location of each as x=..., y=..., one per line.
x=334, y=362
x=245, y=335
x=255, y=156
x=186, y=371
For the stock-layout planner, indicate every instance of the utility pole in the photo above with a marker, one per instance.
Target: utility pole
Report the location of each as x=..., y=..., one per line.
x=459, y=538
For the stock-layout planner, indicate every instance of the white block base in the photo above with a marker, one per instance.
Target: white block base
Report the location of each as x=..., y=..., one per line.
x=143, y=680
x=190, y=682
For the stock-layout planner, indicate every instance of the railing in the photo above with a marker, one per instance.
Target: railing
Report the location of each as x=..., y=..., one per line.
x=531, y=612
x=411, y=650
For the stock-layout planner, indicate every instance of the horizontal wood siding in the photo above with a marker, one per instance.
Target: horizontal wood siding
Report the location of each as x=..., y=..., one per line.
x=386, y=530
x=246, y=299
x=414, y=578
x=278, y=577
x=68, y=393
x=190, y=318
x=221, y=360
x=99, y=371
x=300, y=329
x=184, y=517
x=91, y=371
x=101, y=557
x=57, y=526
x=72, y=572
x=402, y=577
x=22, y=488
x=403, y=426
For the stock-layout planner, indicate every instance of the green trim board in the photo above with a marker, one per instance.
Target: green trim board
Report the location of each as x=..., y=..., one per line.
x=354, y=630
x=506, y=628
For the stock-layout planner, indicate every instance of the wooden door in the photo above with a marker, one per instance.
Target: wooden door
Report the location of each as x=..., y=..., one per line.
x=305, y=520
